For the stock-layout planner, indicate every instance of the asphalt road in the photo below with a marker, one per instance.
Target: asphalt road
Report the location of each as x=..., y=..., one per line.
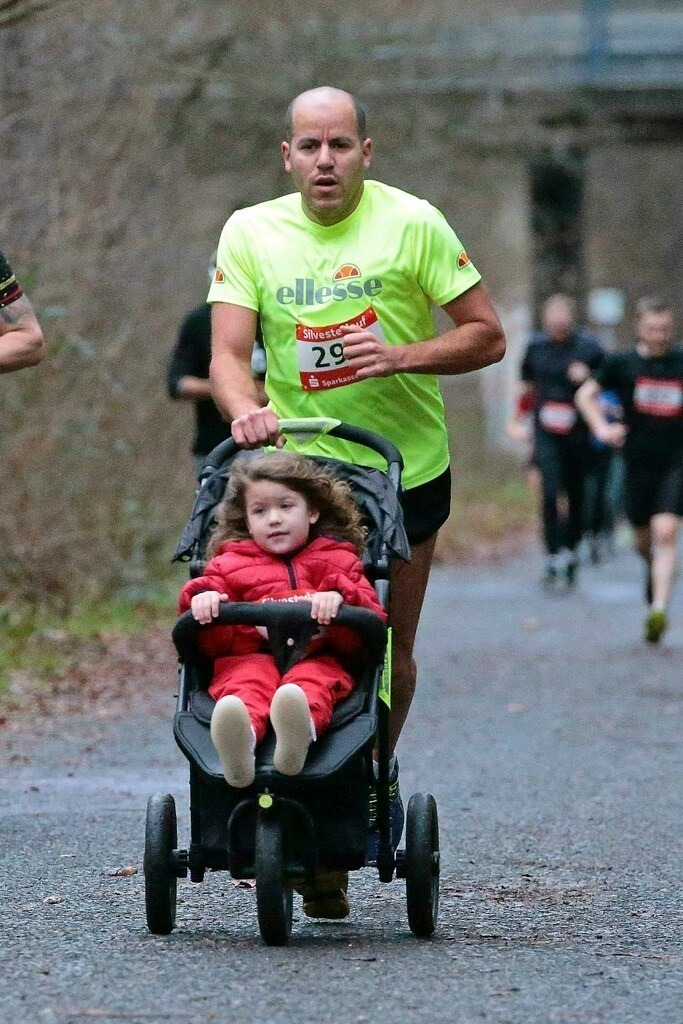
x=551, y=738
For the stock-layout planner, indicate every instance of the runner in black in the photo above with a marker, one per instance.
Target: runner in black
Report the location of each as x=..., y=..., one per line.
x=649, y=382
x=558, y=360
x=188, y=377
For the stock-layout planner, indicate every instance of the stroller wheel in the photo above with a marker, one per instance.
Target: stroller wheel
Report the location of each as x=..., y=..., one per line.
x=273, y=896
x=161, y=879
x=422, y=864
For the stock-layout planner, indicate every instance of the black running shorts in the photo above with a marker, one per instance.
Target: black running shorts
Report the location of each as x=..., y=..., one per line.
x=652, y=490
x=427, y=507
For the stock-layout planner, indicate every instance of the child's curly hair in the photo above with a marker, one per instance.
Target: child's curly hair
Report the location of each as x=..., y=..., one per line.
x=331, y=498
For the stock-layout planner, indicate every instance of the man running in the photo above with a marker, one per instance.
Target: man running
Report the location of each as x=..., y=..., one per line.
x=344, y=273
x=558, y=360
x=21, y=339
x=649, y=383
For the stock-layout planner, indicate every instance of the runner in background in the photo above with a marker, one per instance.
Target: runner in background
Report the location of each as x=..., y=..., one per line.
x=649, y=382
x=188, y=377
x=558, y=360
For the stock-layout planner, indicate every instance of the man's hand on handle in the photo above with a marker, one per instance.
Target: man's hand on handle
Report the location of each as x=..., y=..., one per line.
x=256, y=428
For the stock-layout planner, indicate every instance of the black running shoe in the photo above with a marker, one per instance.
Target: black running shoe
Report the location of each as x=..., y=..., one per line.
x=571, y=570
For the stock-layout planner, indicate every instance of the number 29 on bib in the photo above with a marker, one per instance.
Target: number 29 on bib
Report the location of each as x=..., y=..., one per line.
x=320, y=352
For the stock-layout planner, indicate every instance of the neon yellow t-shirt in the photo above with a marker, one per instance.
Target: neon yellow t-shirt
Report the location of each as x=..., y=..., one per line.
x=382, y=267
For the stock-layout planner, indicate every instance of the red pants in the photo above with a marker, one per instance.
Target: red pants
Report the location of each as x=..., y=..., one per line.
x=254, y=678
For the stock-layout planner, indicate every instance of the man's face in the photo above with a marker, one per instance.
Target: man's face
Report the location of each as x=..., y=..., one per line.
x=558, y=321
x=656, y=331
x=326, y=158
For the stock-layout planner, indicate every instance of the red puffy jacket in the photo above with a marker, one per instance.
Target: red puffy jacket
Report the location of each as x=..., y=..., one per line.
x=245, y=572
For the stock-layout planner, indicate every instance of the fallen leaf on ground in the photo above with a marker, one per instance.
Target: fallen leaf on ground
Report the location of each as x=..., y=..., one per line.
x=123, y=872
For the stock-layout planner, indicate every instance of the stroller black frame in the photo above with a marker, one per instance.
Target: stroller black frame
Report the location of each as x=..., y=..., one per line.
x=284, y=828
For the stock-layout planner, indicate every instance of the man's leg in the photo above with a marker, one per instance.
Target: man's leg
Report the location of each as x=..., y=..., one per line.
x=549, y=465
x=574, y=471
x=661, y=572
x=641, y=542
x=664, y=538
x=640, y=488
x=408, y=586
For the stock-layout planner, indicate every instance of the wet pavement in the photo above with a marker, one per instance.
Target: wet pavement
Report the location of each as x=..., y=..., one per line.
x=551, y=737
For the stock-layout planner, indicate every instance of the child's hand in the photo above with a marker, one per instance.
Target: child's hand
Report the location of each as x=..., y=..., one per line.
x=325, y=605
x=204, y=607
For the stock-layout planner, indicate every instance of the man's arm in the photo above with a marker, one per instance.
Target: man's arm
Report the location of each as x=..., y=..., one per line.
x=587, y=399
x=233, y=329
x=21, y=338
x=477, y=340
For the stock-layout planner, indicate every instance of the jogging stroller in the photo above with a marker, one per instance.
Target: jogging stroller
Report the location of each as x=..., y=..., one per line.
x=287, y=827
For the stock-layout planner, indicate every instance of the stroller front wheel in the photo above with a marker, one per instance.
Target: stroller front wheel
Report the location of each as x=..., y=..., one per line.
x=273, y=895
x=161, y=877
x=422, y=864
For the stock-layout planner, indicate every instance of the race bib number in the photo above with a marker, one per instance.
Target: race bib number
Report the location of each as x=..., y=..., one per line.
x=557, y=417
x=320, y=352
x=658, y=397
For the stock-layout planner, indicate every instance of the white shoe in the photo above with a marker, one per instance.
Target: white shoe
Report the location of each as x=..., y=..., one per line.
x=233, y=738
x=294, y=730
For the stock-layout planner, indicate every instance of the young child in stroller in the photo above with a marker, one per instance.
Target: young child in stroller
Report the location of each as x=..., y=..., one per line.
x=287, y=531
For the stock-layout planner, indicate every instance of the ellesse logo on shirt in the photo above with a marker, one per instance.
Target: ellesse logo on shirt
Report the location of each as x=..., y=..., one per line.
x=347, y=270
x=306, y=292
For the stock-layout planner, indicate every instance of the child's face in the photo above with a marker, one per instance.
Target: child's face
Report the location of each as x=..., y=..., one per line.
x=278, y=518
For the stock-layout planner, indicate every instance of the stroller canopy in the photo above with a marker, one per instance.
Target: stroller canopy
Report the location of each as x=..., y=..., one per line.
x=373, y=492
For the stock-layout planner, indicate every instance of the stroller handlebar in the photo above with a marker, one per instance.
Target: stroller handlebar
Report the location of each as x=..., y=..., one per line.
x=332, y=427
x=283, y=614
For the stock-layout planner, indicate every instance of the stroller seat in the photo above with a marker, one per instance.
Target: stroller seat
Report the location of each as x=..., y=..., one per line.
x=354, y=720
x=351, y=729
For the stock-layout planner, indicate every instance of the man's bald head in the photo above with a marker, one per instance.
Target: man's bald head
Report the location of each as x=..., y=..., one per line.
x=325, y=96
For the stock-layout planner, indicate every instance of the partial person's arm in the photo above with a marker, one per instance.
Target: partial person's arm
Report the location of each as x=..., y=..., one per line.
x=21, y=338
x=235, y=392
x=210, y=581
x=588, y=403
x=476, y=340
x=517, y=426
x=193, y=388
